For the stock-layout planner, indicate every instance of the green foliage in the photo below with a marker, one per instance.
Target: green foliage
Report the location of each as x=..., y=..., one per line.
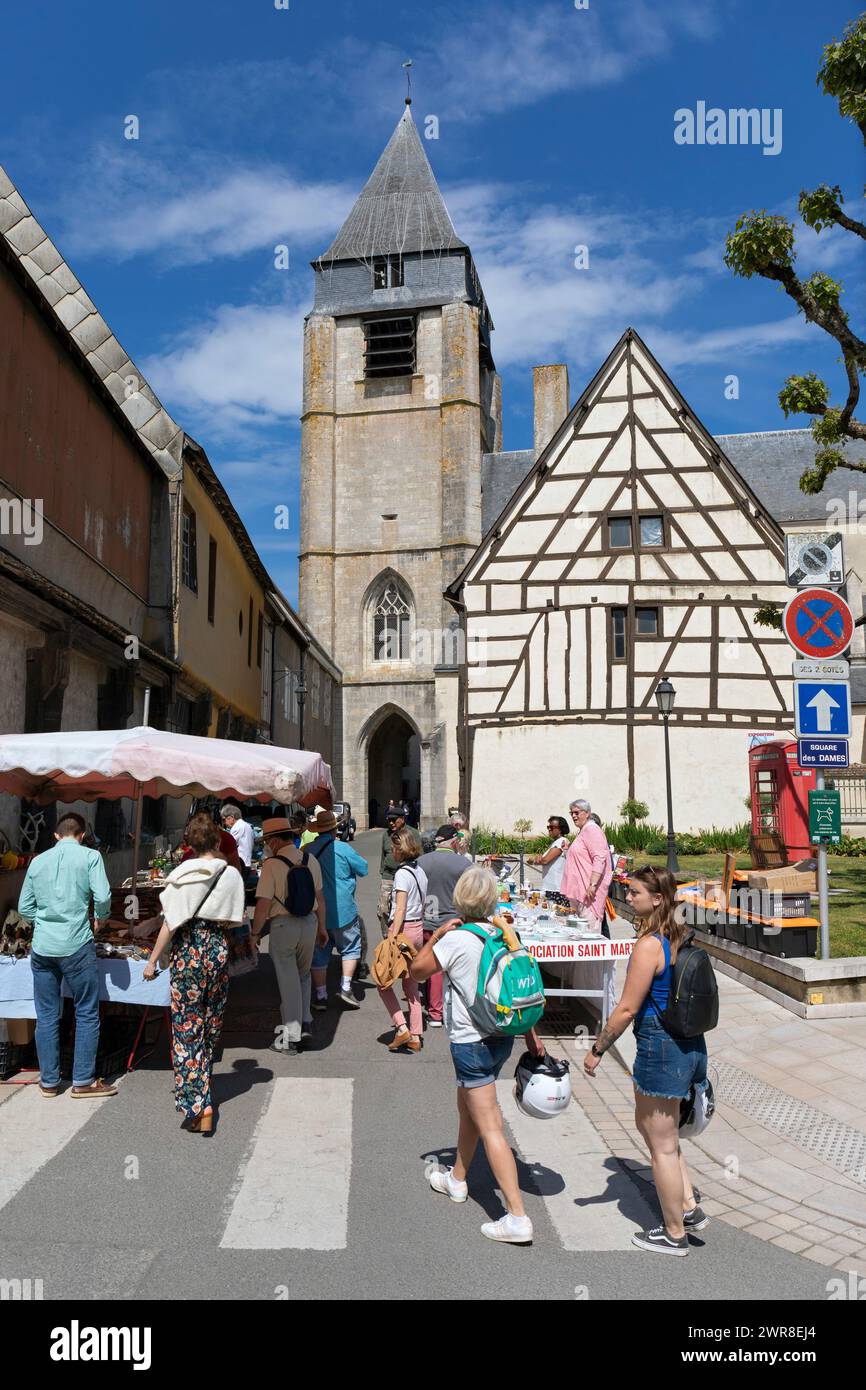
x=769, y=614
x=827, y=429
x=823, y=291
x=634, y=810
x=759, y=241
x=522, y=828
x=826, y=462
x=843, y=71
x=804, y=395
x=629, y=838
x=820, y=208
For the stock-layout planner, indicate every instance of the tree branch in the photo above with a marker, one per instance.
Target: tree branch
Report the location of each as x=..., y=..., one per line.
x=833, y=321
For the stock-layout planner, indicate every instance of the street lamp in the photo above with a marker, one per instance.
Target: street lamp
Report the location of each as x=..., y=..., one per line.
x=665, y=695
x=301, y=693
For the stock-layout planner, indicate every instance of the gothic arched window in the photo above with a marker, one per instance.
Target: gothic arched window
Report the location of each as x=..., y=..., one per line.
x=392, y=618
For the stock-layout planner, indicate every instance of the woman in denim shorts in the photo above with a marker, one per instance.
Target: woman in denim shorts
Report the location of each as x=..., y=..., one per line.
x=477, y=1060
x=665, y=1067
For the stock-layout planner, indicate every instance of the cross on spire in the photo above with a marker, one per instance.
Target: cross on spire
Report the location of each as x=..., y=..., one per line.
x=407, y=65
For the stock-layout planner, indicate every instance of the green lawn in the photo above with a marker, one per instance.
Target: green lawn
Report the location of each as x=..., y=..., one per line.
x=847, y=909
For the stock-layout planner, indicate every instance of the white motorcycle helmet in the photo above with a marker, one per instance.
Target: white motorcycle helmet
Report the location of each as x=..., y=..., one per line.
x=542, y=1086
x=697, y=1109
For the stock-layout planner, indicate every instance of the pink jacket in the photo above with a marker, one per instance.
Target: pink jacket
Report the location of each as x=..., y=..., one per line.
x=588, y=856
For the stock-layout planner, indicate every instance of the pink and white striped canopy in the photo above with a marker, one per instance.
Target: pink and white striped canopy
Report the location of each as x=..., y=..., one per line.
x=127, y=762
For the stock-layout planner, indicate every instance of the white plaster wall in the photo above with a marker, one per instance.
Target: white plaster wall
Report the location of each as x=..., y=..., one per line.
x=535, y=771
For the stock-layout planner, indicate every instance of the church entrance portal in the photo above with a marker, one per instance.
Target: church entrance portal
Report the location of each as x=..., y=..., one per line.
x=394, y=767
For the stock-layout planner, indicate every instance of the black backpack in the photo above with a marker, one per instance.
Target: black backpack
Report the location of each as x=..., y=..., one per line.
x=300, y=888
x=693, y=1002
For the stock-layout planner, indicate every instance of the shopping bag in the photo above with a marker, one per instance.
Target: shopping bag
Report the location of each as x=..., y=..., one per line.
x=243, y=954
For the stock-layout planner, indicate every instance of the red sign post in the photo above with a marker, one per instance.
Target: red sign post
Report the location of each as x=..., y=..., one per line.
x=818, y=623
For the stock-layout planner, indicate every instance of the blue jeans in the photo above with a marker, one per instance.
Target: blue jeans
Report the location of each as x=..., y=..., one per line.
x=666, y=1066
x=346, y=941
x=479, y=1063
x=81, y=973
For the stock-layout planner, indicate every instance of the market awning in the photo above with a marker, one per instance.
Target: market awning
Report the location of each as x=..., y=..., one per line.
x=114, y=763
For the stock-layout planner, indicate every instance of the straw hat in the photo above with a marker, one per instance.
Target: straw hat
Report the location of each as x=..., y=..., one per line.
x=277, y=825
x=325, y=820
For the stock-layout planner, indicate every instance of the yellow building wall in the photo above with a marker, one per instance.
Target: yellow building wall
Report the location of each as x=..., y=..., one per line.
x=214, y=655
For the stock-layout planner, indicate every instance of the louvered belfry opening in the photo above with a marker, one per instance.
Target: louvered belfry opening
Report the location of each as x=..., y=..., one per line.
x=389, y=346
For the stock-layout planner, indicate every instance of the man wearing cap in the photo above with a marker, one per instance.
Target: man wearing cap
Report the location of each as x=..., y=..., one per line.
x=293, y=937
x=443, y=866
x=341, y=866
x=395, y=820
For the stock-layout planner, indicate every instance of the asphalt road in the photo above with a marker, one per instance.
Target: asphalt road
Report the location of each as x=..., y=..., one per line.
x=313, y=1185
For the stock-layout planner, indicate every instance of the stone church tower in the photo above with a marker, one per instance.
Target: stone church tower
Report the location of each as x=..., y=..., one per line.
x=401, y=399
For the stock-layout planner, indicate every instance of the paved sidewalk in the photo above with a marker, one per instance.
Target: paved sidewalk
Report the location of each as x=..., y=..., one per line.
x=785, y=1155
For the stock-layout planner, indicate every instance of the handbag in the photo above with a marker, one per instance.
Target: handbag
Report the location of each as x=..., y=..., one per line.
x=243, y=954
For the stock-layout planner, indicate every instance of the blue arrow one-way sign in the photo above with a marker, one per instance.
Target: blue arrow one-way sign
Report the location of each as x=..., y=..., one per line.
x=822, y=707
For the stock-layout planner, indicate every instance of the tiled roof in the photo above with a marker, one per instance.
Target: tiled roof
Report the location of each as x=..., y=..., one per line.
x=64, y=294
x=400, y=209
x=772, y=463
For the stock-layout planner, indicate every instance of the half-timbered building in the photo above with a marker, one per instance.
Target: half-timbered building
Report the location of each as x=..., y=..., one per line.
x=632, y=549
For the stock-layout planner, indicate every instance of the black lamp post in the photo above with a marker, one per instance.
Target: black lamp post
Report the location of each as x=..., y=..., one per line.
x=665, y=695
x=301, y=693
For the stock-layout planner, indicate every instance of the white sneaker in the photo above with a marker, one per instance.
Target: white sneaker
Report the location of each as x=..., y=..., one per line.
x=443, y=1180
x=515, y=1230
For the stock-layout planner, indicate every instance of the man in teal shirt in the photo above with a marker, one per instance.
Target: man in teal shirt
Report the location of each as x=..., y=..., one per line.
x=341, y=866
x=55, y=897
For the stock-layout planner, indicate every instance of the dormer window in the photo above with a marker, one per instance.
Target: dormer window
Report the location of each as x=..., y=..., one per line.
x=387, y=272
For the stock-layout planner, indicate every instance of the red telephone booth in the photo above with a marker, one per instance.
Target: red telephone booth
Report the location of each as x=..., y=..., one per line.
x=780, y=794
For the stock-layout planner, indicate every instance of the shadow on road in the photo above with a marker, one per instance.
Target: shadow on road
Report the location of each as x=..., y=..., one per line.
x=533, y=1178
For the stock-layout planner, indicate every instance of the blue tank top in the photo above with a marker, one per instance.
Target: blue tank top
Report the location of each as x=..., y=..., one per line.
x=657, y=999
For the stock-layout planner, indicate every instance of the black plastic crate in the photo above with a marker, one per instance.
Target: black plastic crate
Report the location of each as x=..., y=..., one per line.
x=790, y=942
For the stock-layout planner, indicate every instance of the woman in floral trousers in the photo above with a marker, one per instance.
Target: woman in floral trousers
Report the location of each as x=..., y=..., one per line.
x=202, y=898
x=199, y=988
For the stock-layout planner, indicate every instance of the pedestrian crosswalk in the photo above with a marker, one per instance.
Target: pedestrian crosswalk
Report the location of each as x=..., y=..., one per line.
x=34, y=1130
x=292, y=1188
x=293, y=1192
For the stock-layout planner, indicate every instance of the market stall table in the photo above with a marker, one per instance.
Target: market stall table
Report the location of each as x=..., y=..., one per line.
x=548, y=938
x=121, y=981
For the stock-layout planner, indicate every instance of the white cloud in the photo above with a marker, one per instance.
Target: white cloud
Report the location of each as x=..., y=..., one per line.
x=677, y=350
x=213, y=212
x=241, y=368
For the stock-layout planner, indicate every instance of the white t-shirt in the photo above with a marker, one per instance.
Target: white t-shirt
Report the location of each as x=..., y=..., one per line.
x=243, y=833
x=551, y=878
x=413, y=882
x=459, y=954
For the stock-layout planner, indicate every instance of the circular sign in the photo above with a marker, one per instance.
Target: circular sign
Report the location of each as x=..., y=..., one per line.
x=818, y=623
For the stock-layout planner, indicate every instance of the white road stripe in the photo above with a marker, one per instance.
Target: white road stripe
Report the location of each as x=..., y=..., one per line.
x=294, y=1185
x=599, y=1208
x=33, y=1130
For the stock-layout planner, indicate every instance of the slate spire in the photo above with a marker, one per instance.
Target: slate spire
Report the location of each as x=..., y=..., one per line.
x=400, y=209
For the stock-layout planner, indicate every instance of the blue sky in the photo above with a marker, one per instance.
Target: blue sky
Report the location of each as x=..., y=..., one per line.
x=259, y=126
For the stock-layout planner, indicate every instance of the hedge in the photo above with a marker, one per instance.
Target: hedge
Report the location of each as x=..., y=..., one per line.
x=640, y=838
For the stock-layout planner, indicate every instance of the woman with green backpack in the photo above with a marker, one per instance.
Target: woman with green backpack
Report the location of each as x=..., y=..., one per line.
x=670, y=995
x=482, y=1025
